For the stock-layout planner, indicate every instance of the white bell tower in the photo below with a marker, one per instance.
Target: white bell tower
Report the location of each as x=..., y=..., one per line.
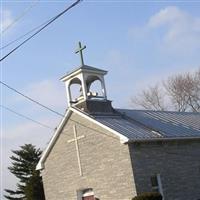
x=87, y=78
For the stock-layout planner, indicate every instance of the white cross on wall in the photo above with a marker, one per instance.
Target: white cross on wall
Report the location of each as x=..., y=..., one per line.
x=77, y=147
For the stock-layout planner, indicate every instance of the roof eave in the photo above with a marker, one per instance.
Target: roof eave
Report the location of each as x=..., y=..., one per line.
x=80, y=69
x=163, y=139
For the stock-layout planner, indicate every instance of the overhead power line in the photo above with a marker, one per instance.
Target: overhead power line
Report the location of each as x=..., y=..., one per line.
x=27, y=33
x=28, y=118
x=43, y=27
x=24, y=35
x=75, y=121
x=38, y=103
x=18, y=18
x=30, y=99
x=93, y=129
x=34, y=101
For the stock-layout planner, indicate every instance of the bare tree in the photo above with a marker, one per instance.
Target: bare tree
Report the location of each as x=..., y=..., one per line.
x=194, y=100
x=151, y=98
x=178, y=87
x=179, y=92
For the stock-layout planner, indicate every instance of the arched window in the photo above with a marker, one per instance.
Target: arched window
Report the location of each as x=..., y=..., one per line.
x=75, y=90
x=94, y=87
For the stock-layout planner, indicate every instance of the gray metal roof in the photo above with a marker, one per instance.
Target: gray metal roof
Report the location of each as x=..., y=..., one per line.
x=147, y=125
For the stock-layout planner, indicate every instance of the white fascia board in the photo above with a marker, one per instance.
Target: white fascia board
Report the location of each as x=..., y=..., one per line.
x=123, y=139
x=67, y=77
x=40, y=164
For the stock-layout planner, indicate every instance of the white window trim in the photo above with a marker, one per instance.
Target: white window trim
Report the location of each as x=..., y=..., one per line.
x=81, y=193
x=160, y=188
x=88, y=194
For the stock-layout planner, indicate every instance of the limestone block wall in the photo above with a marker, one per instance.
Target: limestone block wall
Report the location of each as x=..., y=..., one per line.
x=106, y=164
x=177, y=162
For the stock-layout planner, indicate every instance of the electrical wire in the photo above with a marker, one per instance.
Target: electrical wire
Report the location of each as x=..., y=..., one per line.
x=28, y=118
x=81, y=124
x=38, y=103
x=27, y=33
x=46, y=107
x=30, y=99
x=42, y=105
x=38, y=31
x=24, y=12
x=103, y=133
x=71, y=150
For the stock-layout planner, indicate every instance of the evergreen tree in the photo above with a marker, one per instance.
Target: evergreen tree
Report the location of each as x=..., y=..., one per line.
x=30, y=186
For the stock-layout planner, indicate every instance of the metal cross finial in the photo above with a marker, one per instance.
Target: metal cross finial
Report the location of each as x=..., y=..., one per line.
x=80, y=50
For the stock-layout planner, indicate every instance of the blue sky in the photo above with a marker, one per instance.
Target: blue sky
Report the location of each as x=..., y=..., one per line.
x=138, y=42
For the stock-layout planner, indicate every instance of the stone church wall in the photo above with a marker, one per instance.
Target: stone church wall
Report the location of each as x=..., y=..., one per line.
x=178, y=164
x=106, y=164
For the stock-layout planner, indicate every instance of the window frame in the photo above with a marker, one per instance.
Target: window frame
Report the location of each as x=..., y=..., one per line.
x=158, y=186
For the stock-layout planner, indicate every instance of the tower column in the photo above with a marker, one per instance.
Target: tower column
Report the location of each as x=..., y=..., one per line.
x=103, y=87
x=84, y=87
x=69, y=97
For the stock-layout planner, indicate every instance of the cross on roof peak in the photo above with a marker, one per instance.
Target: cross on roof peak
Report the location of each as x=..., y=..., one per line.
x=80, y=50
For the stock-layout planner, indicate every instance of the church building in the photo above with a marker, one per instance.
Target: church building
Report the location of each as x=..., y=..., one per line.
x=102, y=153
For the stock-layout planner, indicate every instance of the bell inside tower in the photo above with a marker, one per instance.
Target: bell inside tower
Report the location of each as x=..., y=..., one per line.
x=95, y=88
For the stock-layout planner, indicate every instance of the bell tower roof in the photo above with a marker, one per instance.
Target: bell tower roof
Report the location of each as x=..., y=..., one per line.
x=83, y=69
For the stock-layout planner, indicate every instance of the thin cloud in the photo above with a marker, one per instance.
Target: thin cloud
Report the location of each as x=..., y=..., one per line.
x=29, y=131
x=6, y=19
x=168, y=15
x=181, y=28
x=172, y=29
x=48, y=92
